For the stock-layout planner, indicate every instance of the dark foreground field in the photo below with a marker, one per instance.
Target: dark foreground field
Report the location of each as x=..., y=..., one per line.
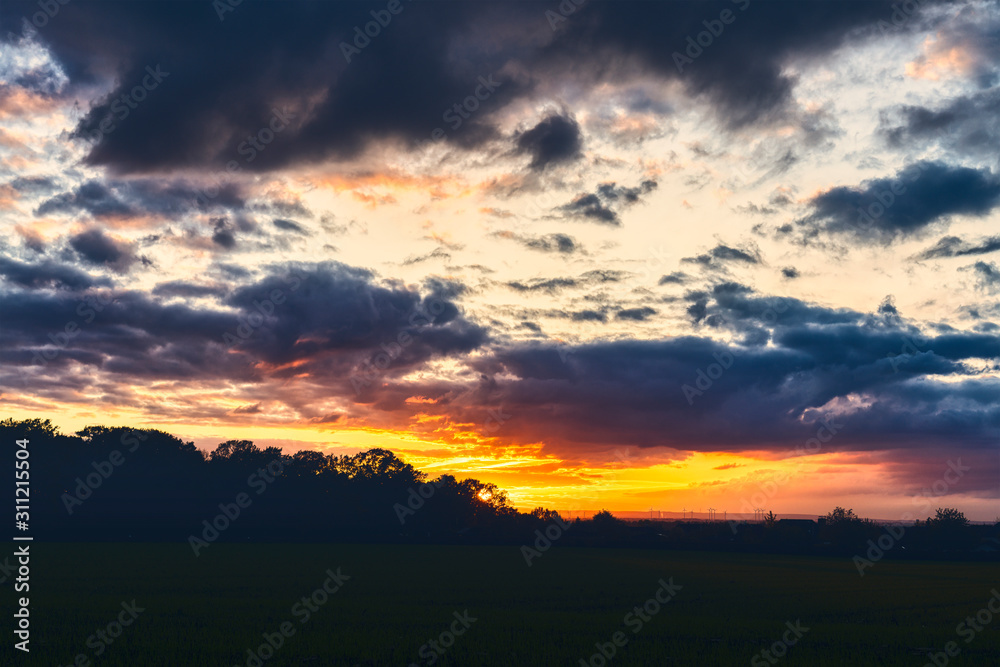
x=209, y=610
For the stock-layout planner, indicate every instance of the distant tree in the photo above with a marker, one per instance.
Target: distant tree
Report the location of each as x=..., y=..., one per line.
x=839, y=517
x=770, y=520
x=948, y=517
x=544, y=515
x=28, y=428
x=605, y=519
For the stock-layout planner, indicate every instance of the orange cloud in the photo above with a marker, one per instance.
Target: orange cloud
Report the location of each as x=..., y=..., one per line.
x=941, y=60
x=16, y=102
x=376, y=188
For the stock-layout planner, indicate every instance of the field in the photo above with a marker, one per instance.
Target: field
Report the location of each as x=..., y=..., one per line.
x=209, y=610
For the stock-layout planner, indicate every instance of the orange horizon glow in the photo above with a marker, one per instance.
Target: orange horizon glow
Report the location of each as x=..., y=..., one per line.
x=628, y=480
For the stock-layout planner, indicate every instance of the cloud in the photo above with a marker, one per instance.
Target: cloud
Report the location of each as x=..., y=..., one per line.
x=204, y=109
x=185, y=289
x=723, y=253
x=290, y=226
x=988, y=276
x=555, y=139
x=969, y=124
x=887, y=209
x=636, y=314
x=603, y=205
x=590, y=207
x=588, y=316
x=560, y=243
x=319, y=320
x=47, y=274
x=771, y=398
x=953, y=246
x=543, y=285
x=92, y=197
x=95, y=247
x=675, y=278
x=790, y=272
x=552, y=285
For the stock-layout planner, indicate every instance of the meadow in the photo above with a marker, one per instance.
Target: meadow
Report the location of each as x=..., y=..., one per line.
x=211, y=609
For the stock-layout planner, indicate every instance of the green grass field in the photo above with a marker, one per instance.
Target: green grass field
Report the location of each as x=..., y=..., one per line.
x=209, y=610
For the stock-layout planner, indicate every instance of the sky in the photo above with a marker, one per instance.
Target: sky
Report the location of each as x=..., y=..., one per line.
x=622, y=255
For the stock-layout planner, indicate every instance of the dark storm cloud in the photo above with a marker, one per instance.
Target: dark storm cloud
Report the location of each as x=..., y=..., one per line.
x=969, y=124
x=223, y=81
x=95, y=247
x=226, y=80
x=603, y=206
x=553, y=140
x=115, y=198
x=327, y=319
x=744, y=88
x=953, y=246
x=632, y=392
x=47, y=274
x=93, y=197
x=886, y=209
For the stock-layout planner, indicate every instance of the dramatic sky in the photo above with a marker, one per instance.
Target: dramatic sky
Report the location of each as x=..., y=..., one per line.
x=676, y=255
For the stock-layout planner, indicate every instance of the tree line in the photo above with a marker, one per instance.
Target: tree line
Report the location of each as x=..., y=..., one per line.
x=128, y=484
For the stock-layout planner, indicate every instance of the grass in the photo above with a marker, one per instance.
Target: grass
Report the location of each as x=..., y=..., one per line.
x=209, y=610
